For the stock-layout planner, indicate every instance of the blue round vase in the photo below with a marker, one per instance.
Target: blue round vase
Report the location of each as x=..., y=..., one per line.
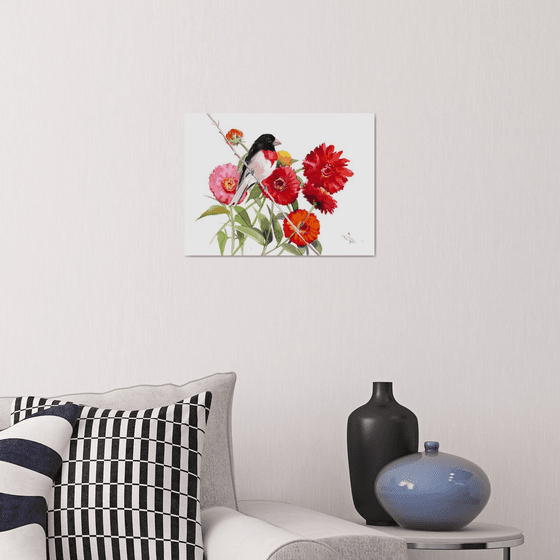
x=432, y=491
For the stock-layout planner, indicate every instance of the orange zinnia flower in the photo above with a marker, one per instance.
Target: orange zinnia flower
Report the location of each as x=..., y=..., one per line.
x=234, y=136
x=306, y=224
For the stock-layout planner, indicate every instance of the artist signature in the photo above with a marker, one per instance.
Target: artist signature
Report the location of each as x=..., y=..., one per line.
x=348, y=238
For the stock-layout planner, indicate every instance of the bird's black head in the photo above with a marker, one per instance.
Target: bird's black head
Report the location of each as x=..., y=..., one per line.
x=266, y=142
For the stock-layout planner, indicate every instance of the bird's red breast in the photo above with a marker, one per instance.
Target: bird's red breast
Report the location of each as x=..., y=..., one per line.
x=271, y=156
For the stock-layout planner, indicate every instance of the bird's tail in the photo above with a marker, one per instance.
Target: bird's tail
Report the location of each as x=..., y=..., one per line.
x=241, y=190
x=237, y=196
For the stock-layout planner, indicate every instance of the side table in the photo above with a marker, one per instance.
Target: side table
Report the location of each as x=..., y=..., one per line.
x=473, y=536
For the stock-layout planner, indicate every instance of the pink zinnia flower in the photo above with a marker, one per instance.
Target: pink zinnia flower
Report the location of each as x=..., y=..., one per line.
x=223, y=182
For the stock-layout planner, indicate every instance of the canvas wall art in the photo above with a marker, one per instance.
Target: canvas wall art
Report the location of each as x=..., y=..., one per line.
x=298, y=185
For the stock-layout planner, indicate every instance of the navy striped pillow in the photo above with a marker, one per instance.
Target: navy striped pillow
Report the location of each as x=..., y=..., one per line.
x=129, y=486
x=30, y=458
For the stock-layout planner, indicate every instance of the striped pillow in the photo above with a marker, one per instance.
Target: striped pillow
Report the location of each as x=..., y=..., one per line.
x=30, y=458
x=129, y=486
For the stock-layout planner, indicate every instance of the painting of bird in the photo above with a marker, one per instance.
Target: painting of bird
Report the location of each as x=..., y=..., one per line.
x=261, y=159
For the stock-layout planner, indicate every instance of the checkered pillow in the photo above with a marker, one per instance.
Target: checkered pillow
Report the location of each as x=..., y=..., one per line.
x=129, y=485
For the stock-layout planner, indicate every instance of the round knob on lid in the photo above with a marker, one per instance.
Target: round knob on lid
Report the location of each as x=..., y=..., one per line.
x=431, y=446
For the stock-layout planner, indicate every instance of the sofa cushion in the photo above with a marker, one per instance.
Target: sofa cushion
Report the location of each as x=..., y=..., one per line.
x=228, y=534
x=129, y=484
x=30, y=458
x=217, y=478
x=349, y=540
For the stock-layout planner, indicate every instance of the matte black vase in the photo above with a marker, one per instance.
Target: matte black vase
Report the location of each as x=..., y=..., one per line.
x=378, y=432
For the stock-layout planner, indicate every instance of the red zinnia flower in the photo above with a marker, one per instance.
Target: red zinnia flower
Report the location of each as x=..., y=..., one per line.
x=323, y=201
x=324, y=167
x=307, y=225
x=282, y=185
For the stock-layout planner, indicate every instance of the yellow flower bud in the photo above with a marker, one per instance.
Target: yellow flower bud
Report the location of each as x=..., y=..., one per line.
x=284, y=158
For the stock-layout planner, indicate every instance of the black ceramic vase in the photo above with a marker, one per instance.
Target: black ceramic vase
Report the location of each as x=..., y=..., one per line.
x=378, y=432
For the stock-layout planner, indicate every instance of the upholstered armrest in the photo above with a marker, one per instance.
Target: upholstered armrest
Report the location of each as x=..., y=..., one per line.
x=264, y=530
x=230, y=535
x=348, y=540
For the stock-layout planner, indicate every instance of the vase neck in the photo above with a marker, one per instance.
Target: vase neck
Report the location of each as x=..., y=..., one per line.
x=382, y=391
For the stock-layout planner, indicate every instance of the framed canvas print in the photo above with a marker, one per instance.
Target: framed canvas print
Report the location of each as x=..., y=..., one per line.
x=298, y=185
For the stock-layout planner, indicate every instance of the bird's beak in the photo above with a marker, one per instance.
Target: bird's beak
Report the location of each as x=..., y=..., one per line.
x=276, y=143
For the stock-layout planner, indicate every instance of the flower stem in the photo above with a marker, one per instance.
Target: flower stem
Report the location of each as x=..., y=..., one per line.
x=259, y=211
x=272, y=250
x=231, y=217
x=250, y=205
x=221, y=228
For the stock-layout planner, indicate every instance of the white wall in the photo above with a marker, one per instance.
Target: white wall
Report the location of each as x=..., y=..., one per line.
x=461, y=307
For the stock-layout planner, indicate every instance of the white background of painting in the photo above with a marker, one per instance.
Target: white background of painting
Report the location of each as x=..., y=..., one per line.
x=299, y=134
x=460, y=308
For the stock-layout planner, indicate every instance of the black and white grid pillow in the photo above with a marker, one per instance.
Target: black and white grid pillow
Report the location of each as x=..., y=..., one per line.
x=129, y=488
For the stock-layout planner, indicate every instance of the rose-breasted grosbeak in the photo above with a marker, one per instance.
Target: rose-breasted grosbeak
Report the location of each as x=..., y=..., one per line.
x=261, y=158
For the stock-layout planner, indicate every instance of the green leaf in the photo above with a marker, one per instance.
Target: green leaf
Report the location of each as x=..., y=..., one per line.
x=295, y=205
x=246, y=221
x=255, y=192
x=265, y=227
x=251, y=232
x=214, y=210
x=318, y=246
x=278, y=233
x=292, y=249
x=238, y=220
x=222, y=239
x=264, y=222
